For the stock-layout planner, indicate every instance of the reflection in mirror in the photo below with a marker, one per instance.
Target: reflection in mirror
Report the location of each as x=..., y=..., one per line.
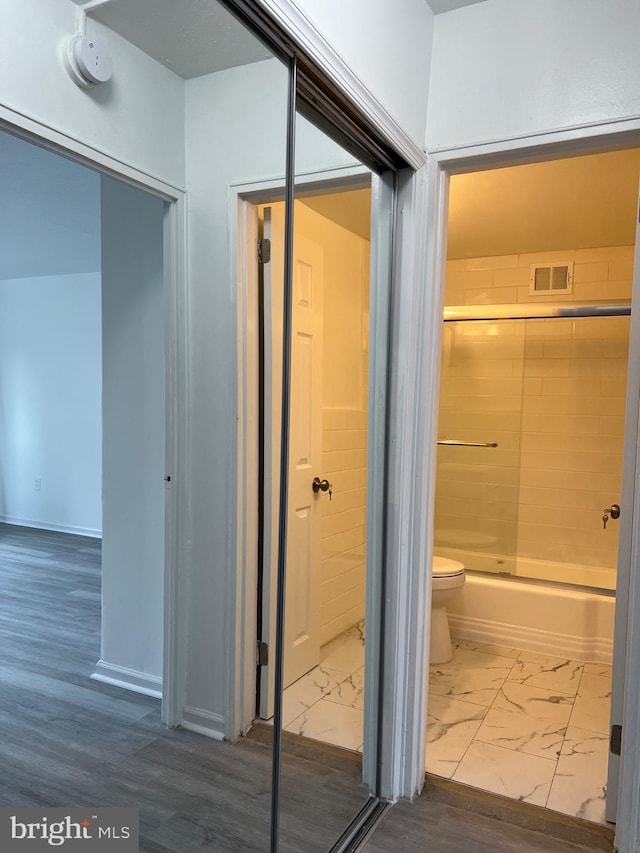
x=75, y=607
x=323, y=701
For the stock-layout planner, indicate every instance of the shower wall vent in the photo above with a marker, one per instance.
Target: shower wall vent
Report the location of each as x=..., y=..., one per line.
x=556, y=278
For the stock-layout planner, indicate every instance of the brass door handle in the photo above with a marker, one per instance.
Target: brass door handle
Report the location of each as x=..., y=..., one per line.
x=319, y=485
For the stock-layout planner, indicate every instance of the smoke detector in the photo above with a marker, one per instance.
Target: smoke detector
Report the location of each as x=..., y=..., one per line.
x=88, y=61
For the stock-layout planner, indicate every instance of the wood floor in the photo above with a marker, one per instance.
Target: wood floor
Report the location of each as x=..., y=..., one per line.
x=70, y=741
x=451, y=818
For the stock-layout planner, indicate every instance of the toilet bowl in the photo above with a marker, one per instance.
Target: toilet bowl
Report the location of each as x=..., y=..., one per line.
x=448, y=578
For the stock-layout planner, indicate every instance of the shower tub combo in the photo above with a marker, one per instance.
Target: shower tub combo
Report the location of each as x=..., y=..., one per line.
x=521, y=510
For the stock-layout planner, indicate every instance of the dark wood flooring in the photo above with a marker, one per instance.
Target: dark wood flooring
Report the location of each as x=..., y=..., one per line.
x=70, y=741
x=451, y=818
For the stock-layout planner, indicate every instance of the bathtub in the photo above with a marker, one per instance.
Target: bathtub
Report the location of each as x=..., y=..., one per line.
x=600, y=577
x=534, y=616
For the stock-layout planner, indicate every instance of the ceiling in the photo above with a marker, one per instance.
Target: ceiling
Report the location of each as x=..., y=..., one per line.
x=351, y=209
x=190, y=37
x=440, y=6
x=579, y=202
x=195, y=37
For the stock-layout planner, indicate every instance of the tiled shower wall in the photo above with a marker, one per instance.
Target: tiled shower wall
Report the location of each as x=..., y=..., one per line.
x=552, y=393
x=344, y=428
x=344, y=454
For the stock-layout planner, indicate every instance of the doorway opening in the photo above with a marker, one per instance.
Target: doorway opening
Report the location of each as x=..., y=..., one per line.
x=82, y=418
x=534, y=384
x=326, y=556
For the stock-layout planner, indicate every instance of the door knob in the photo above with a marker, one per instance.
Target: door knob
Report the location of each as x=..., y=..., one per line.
x=319, y=485
x=613, y=511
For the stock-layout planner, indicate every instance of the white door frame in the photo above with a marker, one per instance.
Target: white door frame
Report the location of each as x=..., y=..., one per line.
x=176, y=409
x=442, y=164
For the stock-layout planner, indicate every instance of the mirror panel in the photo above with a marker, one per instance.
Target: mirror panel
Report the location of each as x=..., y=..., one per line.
x=323, y=699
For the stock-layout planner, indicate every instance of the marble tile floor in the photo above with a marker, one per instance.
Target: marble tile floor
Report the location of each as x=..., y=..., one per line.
x=520, y=724
x=524, y=725
x=327, y=704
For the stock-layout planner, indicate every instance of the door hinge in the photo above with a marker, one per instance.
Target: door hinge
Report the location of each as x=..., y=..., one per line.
x=615, y=742
x=264, y=250
x=263, y=654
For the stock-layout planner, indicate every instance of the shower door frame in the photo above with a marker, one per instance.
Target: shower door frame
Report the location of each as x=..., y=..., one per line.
x=553, y=145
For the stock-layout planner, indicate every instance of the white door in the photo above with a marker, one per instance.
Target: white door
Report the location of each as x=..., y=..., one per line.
x=302, y=631
x=302, y=612
x=626, y=617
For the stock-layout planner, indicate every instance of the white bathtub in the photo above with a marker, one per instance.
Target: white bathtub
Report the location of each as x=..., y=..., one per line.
x=600, y=577
x=534, y=616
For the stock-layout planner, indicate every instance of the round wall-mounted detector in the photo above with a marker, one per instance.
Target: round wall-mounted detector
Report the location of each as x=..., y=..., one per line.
x=88, y=61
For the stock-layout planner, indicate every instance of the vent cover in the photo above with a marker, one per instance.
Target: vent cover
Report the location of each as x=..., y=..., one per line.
x=553, y=279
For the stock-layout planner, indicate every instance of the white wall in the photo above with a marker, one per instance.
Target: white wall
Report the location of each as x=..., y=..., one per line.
x=50, y=340
x=49, y=213
x=133, y=432
x=386, y=44
x=138, y=117
x=50, y=402
x=503, y=69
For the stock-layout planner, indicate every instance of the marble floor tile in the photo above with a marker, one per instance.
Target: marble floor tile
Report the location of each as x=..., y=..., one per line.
x=330, y=723
x=503, y=771
x=471, y=676
x=308, y=690
x=345, y=652
x=350, y=691
x=451, y=727
x=592, y=705
x=527, y=719
x=579, y=786
x=487, y=648
x=549, y=673
x=541, y=735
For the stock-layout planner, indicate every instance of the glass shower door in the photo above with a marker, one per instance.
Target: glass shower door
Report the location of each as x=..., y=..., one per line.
x=480, y=428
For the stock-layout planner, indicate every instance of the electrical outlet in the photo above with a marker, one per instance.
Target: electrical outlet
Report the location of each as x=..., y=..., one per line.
x=37, y=484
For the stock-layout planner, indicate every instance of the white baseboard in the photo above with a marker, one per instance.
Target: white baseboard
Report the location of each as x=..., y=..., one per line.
x=45, y=525
x=130, y=679
x=595, y=649
x=203, y=722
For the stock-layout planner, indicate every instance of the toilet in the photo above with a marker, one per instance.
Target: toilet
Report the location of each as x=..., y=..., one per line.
x=448, y=578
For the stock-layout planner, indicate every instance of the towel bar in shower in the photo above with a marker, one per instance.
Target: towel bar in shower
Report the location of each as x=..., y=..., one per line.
x=450, y=442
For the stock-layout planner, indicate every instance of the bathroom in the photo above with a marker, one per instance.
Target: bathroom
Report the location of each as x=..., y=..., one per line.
x=529, y=478
x=531, y=430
